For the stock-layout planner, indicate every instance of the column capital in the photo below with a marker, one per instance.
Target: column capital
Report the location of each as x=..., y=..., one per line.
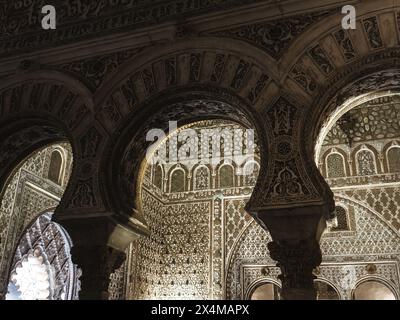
x=297, y=260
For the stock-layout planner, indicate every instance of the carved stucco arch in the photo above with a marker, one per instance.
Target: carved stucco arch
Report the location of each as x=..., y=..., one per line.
x=225, y=72
x=310, y=74
x=328, y=25
x=40, y=107
x=376, y=278
x=19, y=113
x=332, y=284
x=233, y=256
x=204, y=45
x=372, y=77
x=344, y=156
x=258, y=283
x=124, y=163
x=367, y=148
x=385, y=152
x=326, y=91
x=343, y=200
x=10, y=266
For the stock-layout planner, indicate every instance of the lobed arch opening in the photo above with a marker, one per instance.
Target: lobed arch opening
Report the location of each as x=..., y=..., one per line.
x=342, y=110
x=189, y=105
x=352, y=90
x=158, y=170
x=180, y=221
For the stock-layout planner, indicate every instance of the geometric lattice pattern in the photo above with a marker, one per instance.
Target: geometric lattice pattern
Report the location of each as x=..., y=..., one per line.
x=384, y=200
x=172, y=262
x=373, y=237
x=50, y=241
x=376, y=119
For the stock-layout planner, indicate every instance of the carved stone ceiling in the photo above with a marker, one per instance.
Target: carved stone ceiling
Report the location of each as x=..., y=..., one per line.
x=376, y=119
x=277, y=35
x=82, y=19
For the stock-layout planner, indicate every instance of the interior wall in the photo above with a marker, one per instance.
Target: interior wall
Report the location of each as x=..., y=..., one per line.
x=191, y=232
x=203, y=245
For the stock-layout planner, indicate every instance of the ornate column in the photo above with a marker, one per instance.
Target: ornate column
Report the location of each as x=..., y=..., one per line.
x=291, y=200
x=99, y=245
x=297, y=259
x=98, y=262
x=100, y=231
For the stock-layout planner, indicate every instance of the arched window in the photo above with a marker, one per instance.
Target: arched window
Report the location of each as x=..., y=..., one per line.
x=56, y=167
x=251, y=171
x=393, y=158
x=373, y=290
x=226, y=176
x=177, y=182
x=325, y=291
x=341, y=219
x=202, y=178
x=366, y=163
x=158, y=177
x=335, y=166
x=266, y=291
